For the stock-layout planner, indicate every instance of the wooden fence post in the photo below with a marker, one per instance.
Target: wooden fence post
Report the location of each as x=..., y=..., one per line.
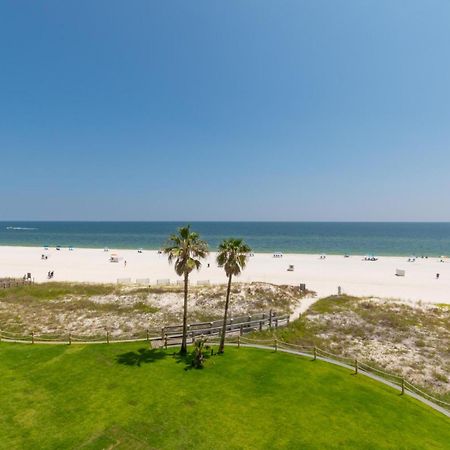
x=70, y=338
x=276, y=344
x=356, y=367
x=163, y=332
x=403, y=385
x=239, y=342
x=148, y=335
x=241, y=330
x=270, y=319
x=260, y=325
x=32, y=337
x=276, y=322
x=107, y=336
x=165, y=341
x=315, y=353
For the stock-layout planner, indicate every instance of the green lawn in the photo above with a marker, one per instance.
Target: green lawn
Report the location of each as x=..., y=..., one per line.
x=128, y=397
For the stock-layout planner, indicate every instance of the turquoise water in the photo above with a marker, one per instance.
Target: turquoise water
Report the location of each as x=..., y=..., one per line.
x=299, y=237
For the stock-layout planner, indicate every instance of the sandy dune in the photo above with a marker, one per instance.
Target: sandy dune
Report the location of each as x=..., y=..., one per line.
x=354, y=275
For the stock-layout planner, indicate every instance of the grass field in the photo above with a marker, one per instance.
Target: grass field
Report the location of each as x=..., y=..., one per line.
x=410, y=340
x=129, y=397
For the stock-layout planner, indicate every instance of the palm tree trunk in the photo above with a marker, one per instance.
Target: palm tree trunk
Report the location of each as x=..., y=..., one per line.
x=183, y=349
x=224, y=326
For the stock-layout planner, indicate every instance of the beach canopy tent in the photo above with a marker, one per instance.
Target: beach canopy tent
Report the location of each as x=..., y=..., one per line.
x=114, y=258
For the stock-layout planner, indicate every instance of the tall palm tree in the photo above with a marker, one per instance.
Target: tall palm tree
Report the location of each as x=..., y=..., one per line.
x=186, y=249
x=232, y=256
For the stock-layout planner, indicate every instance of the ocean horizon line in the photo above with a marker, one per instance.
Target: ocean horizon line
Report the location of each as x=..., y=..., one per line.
x=231, y=221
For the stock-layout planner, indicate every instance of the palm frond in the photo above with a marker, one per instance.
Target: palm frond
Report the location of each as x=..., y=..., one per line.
x=186, y=249
x=232, y=255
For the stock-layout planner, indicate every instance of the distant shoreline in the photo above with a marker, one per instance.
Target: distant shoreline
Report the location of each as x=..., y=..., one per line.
x=213, y=249
x=333, y=238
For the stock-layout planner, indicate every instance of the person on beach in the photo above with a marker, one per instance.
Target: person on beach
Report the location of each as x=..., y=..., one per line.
x=125, y=263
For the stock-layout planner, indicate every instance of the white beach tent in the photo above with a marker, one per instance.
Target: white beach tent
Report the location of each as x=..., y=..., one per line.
x=114, y=258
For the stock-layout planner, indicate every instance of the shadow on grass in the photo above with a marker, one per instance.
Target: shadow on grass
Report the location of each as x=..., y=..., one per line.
x=141, y=356
x=146, y=356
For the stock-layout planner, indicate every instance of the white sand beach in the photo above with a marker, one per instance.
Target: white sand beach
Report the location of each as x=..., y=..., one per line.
x=353, y=274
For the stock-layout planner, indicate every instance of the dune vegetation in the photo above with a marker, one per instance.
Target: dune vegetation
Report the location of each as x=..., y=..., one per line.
x=87, y=309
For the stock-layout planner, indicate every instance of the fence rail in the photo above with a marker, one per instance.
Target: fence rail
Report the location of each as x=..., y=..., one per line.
x=241, y=325
x=235, y=335
x=6, y=283
x=354, y=364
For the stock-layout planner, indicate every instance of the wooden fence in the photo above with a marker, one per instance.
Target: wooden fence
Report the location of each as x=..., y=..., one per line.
x=167, y=335
x=235, y=335
x=358, y=367
x=236, y=325
x=6, y=283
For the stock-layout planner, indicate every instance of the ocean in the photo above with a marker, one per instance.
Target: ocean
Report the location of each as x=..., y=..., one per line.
x=402, y=239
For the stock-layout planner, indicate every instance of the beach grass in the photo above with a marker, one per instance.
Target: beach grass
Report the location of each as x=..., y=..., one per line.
x=127, y=396
x=55, y=290
x=59, y=290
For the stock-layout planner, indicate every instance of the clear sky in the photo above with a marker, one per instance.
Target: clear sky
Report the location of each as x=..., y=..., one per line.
x=225, y=110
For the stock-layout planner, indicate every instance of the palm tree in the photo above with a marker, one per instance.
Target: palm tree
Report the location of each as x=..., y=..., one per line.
x=232, y=256
x=186, y=249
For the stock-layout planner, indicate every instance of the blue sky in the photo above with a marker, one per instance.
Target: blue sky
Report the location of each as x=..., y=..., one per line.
x=214, y=110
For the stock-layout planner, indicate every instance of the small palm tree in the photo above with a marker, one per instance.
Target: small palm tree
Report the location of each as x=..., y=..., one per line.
x=186, y=249
x=232, y=256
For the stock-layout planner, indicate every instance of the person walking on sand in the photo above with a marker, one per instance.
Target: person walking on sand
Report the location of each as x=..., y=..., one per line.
x=125, y=263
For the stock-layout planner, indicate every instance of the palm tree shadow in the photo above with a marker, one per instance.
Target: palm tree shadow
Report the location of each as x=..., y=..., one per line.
x=184, y=359
x=146, y=356
x=141, y=356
